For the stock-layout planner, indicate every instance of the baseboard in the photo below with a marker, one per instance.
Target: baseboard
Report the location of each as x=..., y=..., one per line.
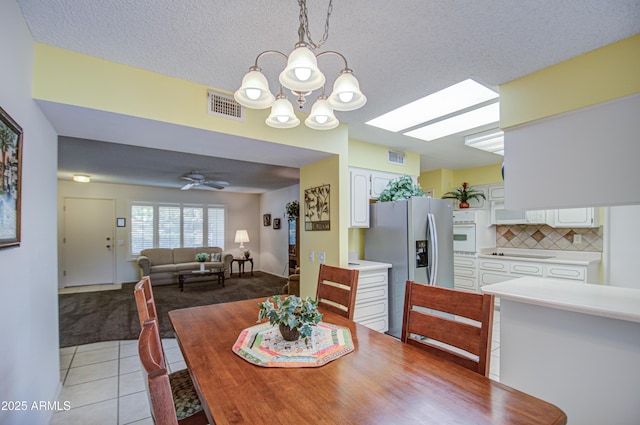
x=89, y=288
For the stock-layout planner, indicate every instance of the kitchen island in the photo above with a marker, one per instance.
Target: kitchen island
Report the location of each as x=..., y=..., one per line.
x=573, y=344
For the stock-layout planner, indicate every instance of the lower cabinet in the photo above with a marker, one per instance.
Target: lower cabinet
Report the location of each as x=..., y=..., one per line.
x=372, y=299
x=465, y=273
x=496, y=271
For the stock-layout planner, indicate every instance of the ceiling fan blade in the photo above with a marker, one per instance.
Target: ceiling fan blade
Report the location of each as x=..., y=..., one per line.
x=187, y=186
x=187, y=178
x=215, y=185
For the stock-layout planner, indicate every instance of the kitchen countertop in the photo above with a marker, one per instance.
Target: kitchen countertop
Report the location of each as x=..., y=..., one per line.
x=598, y=300
x=579, y=258
x=367, y=265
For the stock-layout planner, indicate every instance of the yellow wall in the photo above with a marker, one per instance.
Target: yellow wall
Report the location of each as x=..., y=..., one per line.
x=71, y=78
x=334, y=242
x=601, y=75
x=375, y=157
x=443, y=180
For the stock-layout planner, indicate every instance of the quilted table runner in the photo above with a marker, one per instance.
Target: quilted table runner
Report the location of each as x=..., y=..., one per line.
x=263, y=345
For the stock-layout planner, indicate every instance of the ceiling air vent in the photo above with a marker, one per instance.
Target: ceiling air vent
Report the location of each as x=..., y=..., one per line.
x=223, y=105
x=396, y=157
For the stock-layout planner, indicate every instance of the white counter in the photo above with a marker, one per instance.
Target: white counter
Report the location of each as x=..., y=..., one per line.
x=575, y=345
x=598, y=300
x=367, y=265
x=578, y=258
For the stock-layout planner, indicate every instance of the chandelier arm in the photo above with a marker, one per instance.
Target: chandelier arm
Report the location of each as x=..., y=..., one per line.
x=346, y=66
x=266, y=52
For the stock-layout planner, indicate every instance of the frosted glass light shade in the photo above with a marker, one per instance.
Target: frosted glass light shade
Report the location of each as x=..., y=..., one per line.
x=346, y=95
x=282, y=115
x=300, y=64
x=321, y=117
x=254, y=92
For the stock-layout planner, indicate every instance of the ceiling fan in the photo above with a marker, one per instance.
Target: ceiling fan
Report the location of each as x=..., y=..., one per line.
x=197, y=179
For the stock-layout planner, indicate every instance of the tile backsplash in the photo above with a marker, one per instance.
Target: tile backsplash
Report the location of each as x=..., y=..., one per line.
x=545, y=237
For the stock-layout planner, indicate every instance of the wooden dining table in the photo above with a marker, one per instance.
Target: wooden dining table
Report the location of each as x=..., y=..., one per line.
x=383, y=381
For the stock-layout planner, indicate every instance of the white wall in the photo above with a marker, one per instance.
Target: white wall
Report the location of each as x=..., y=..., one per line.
x=243, y=212
x=29, y=366
x=274, y=244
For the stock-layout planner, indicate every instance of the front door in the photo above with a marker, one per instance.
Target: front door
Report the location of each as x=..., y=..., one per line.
x=88, y=241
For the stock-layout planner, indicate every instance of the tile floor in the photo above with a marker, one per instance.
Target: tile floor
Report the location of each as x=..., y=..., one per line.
x=103, y=383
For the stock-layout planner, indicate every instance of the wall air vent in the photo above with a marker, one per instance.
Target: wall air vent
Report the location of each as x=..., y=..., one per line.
x=223, y=105
x=396, y=157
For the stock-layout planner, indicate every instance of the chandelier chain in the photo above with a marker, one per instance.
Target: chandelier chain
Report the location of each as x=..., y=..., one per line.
x=304, y=25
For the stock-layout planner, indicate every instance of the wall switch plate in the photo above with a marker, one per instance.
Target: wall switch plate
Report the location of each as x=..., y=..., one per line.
x=577, y=239
x=311, y=256
x=321, y=257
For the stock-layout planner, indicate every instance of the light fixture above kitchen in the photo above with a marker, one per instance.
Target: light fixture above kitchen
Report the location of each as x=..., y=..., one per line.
x=490, y=141
x=302, y=76
x=81, y=178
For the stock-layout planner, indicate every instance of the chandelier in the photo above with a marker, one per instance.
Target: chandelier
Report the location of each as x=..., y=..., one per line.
x=302, y=76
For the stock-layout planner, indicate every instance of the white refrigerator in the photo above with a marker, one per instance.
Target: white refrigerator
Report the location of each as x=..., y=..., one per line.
x=416, y=237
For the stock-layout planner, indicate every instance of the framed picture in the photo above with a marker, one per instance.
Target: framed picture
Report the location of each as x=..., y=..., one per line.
x=10, y=185
x=121, y=222
x=266, y=219
x=276, y=223
x=316, y=208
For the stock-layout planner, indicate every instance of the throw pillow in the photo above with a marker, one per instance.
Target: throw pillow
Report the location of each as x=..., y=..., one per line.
x=216, y=256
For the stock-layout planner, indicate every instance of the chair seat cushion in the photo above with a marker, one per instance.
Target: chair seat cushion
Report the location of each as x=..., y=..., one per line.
x=185, y=397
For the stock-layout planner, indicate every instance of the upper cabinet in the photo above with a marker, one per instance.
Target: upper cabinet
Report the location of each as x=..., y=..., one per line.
x=573, y=217
x=364, y=186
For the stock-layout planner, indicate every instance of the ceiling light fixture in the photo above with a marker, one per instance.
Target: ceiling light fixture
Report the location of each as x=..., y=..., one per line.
x=475, y=118
x=452, y=99
x=81, y=178
x=302, y=76
x=490, y=141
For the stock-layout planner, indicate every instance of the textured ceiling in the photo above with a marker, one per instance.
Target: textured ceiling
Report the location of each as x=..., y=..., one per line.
x=400, y=51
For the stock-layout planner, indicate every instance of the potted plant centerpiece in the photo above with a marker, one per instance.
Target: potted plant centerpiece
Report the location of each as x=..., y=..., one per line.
x=464, y=194
x=201, y=258
x=294, y=317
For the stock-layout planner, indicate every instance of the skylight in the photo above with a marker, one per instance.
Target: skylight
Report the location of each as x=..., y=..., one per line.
x=444, y=102
x=472, y=119
x=490, y=141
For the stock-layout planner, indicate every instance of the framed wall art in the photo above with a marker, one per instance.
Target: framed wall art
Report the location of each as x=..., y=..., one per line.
x=266, y=219
x=11, y=180
x=316, y=208
x=276, y=223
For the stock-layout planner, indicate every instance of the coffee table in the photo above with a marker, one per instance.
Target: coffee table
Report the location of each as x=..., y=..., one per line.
x=188, y=274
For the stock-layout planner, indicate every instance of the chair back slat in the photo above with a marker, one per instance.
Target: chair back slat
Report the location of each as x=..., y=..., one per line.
x=145, y=302
x=155, y=375
x=454, y=325
x=337, y=289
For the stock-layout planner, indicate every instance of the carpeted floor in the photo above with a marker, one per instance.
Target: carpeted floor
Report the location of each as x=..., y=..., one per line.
x=112, y=315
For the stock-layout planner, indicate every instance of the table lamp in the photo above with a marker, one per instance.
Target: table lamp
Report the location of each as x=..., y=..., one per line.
x=241, y=237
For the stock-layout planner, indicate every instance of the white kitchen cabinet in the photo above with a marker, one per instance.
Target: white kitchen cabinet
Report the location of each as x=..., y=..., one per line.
x=372, y=296
x=358, y=198
x=465, y=273
x=573, y=217
x=495, y=193
x=499, y=270
x=364, y=186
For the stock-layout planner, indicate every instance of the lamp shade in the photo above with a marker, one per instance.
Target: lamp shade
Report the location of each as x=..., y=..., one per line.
x=321, y=117
x=346, y=95
x=254, y=92
x=302, y=72
x=241, y=237
x=282, y=115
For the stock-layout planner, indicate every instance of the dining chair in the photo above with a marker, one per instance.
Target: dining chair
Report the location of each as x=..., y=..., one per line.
x=452, y=324
x=337, y=289
x=172, y=396
x=144, y=300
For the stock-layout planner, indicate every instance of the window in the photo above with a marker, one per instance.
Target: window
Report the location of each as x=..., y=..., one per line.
x=175, y=226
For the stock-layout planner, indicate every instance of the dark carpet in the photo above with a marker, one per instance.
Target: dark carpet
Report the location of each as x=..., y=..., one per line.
x=112, y=315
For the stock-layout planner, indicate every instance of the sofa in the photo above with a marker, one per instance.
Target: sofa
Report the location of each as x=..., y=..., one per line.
x=163, y=264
